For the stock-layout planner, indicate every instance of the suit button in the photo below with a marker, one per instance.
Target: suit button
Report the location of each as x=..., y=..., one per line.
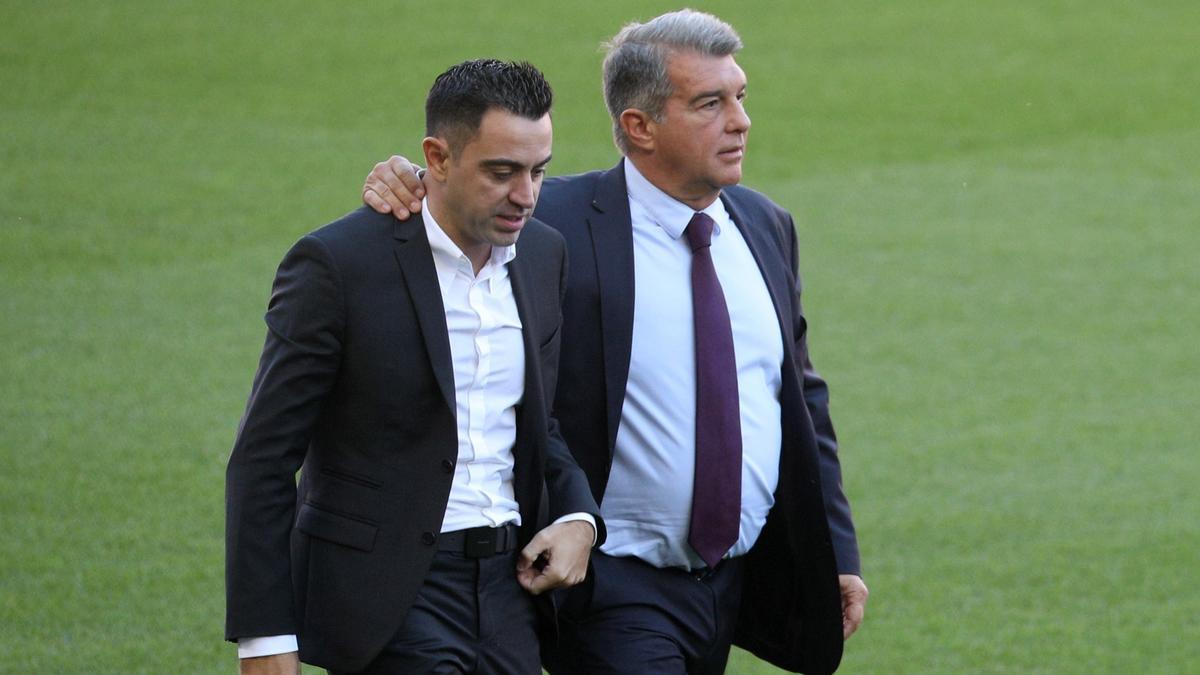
x=447, y=466
x=428, y=538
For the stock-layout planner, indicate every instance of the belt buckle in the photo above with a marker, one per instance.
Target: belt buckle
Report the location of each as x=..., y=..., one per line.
x=480, y=542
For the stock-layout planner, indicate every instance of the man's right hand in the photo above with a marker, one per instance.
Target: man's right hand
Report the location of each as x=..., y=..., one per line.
x=276, y=664
x=394, y=187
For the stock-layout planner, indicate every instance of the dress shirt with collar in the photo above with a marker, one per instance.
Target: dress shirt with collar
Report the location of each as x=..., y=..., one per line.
x=647, y=504
x=488, y=356
x=489, y=379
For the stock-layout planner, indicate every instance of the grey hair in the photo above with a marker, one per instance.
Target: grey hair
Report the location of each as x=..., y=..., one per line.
x=635, y=67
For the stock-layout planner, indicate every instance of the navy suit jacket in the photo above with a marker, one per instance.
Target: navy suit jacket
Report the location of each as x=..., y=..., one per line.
x=356, y=384
x=791, y=610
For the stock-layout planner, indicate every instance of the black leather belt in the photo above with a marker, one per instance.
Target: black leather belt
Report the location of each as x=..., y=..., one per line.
x=479, y=542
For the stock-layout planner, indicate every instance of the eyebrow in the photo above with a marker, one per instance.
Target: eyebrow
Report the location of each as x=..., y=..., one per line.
x=713, y=93
x=503, y=163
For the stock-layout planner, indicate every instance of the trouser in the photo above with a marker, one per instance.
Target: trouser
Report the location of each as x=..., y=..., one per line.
x=470, y=616
x=632, y=617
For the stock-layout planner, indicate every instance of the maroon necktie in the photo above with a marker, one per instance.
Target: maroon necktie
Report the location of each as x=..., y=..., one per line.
x=717, y=490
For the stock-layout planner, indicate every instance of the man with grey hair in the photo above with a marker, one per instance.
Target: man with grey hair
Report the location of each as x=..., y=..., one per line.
x=691, y=405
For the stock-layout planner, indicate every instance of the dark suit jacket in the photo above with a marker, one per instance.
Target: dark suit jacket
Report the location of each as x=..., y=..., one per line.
x=791, y=612
x=356, y=386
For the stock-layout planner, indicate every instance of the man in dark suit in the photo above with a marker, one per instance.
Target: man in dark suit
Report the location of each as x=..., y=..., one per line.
x=406, y=373
x=649, y=370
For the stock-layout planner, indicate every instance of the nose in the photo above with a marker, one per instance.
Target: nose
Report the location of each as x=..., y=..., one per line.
x=739, y=121
x=523, y=192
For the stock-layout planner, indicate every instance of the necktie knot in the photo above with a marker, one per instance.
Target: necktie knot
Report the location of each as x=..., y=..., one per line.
x=699, y=231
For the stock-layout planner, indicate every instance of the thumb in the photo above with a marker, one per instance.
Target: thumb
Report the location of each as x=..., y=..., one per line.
x=529, y=554
x=540, y=584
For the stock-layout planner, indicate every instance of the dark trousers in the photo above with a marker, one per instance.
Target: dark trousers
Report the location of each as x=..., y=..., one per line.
x=632, y=617
x=470, y=616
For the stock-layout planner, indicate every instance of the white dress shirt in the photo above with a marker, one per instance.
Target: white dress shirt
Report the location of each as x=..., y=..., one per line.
x=489, y=380
x=488, y=356
x=647, y=504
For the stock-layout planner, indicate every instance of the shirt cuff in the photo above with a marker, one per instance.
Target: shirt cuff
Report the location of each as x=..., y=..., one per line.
x=250, y=647
x=586, y=517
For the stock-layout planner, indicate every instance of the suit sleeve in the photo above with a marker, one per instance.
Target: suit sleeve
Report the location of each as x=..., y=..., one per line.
x=816, y=398
x=295, y=373
x=566, y=484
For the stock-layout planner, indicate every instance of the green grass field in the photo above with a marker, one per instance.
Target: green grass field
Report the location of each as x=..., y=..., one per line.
x=999, y=208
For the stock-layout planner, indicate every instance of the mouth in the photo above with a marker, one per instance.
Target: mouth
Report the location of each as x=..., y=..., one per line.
x=511, y=222
x=733, y=154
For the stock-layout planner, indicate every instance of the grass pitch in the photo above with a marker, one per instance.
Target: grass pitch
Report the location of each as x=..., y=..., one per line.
x=999, y=214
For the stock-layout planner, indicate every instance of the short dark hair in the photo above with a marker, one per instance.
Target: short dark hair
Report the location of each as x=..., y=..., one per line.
x=460, y=96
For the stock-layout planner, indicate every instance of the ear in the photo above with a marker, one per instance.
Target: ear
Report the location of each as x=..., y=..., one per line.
x=639, y=128
x=437, y=157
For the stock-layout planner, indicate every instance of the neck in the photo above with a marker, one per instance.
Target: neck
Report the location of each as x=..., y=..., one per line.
x=696, y=198
x=477, y=253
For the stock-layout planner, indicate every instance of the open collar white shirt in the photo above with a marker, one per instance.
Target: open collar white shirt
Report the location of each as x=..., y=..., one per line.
x=488, y=356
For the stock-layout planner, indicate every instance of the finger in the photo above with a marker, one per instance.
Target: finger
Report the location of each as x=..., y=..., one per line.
x=529, y=555
x=400, y=176
x=394, y=203
x=852, y=618
x=397, y=165
x=525, y=577
x=412, y=182
x=371, y=199
x=544, y=582
x=398, y=189
x=531, y=580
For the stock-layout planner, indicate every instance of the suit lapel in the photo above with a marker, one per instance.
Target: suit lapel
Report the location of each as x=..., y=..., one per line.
x=760, y=244
x=420, y=276
x=531, y=415
x=522, y=292
x=611, y=230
